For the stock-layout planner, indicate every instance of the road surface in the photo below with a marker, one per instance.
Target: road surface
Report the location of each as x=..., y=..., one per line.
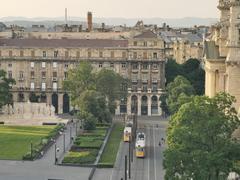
x=149, y=168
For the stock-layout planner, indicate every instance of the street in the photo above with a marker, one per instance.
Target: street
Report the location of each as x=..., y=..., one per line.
x=149, y=168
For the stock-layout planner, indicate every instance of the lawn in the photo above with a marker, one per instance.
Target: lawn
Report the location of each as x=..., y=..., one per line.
x=110, y=153
x=86, y=147
x=15, y=140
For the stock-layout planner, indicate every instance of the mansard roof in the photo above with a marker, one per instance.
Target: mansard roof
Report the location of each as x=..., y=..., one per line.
x=147, y=34
x=64, y=43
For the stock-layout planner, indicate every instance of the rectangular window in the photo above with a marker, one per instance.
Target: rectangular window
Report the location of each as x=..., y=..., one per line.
x=145, y=88
x=21, y=53
x=145, y=66
x=10, y=74
x=66, y=54
x=32, y=85
x=78, y=54
x=144, y=55
x=135, y=43
x=155, y=43
x=21, y=74
x=44, y=54
x=155, y=55
x=134, y=76
x=124, y=55
x=32, y=64
x=135, y=66
x=100, y=65
x=43, y=75
x=54, y=64
x=135, y=55
x=111, y=65
x=32, y=74
x=123, y=65
x=145, y=43
x=33, y=53
x=10, y=53
x=112, y=54
x=54, y=86
x=154, y=87
x=89, y=54
x=145, y=77
x=155, y=66
x=43, y=64
x=100, y=54
x=10, y=65
x=43, y=86
x=65, y=66
x=54, y=74
x=55, y=54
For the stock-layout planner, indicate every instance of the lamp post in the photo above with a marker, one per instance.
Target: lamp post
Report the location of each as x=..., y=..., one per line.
x=64, y=142
x=55, y=153
x=125, y=172
x=70, y=134
x=129, y=160
x=31, y=150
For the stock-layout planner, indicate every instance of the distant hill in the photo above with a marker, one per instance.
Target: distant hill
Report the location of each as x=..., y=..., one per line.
x=178, y=22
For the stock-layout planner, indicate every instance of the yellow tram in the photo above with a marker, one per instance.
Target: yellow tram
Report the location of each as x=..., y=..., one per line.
x=127, y=134
x=140, y=145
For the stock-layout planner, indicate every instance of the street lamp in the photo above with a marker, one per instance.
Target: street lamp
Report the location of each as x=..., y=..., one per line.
x=56, y=150
x=64, y=142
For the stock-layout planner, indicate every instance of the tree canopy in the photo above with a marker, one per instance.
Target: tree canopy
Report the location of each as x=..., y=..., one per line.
x=200, y=143
x=94, y=93
x=178, y=92
x=191, y=70
x=5, y=86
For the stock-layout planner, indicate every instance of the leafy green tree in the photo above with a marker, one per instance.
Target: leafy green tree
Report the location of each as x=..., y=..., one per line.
x=200, y=143
x=5, y=86
x=195, y=74
x=191, y=70
x=95, y=103
x=173, y=70
x=163, y=105
x=89, y=121
x=110, y=84
x=79, y=79
x=179, y=92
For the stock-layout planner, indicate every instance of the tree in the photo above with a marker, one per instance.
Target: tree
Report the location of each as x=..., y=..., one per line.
x=195, y=74
x=5, y=86
x=179, y=92
x=109, y=83
x=79, y=79
x=200, y=143
x=89, y=121
x=191, y=70
x=95, y=103
x=173, y=70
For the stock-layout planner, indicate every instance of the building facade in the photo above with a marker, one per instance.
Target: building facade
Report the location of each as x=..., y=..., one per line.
x=222, y=52
x=40, y=66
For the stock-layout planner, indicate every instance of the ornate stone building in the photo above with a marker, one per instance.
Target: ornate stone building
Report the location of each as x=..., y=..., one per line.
x=222, y=52
x=39, y=67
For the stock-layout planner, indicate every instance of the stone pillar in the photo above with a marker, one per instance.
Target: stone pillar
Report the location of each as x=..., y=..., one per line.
x=49, y=98
x=129, y=105
x=139, y=105
x=159, y=108
x=149, y=106
x=60, y=103
x=117, y=110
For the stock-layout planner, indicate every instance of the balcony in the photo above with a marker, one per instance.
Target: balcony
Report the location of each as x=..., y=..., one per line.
x=21, y=79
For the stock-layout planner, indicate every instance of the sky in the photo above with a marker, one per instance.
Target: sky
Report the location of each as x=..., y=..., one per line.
x=111, y=8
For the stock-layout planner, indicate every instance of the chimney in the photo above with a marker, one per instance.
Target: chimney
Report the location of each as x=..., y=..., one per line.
x=89, y=21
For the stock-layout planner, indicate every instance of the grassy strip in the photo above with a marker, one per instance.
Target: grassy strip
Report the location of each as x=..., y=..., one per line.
x=110, y=153
x=15, y=140
x=86, y=147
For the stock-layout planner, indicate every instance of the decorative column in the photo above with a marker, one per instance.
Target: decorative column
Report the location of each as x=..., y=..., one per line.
x=117, y=110
x=129, y=104
x=159, y=108
x=60, y=103
x=149, y=106
x=49, y=98
x=139, y=105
